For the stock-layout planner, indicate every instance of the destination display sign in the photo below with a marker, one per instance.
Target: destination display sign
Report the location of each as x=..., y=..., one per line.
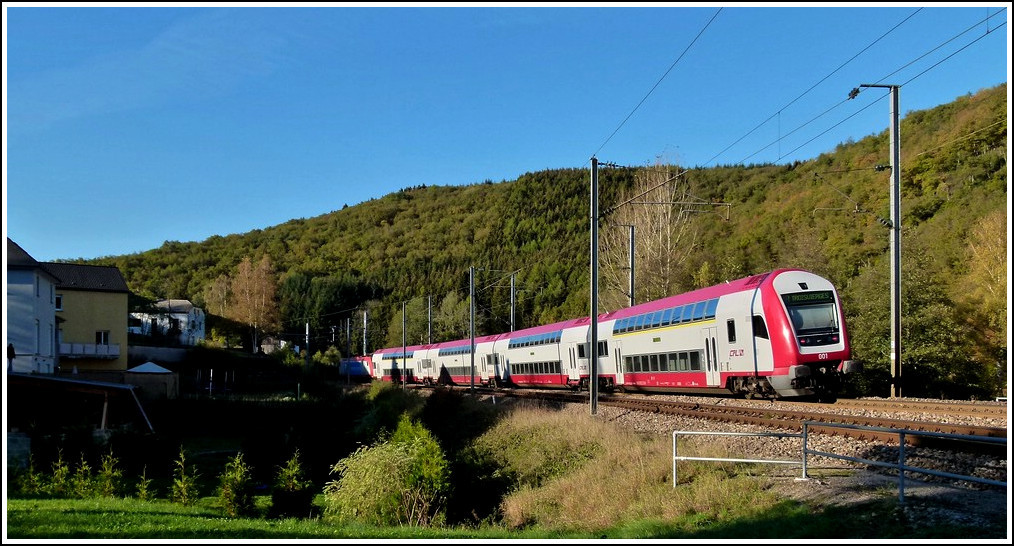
x=805, y=298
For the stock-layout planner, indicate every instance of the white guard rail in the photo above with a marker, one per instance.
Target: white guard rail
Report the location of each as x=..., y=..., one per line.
x=900, y=466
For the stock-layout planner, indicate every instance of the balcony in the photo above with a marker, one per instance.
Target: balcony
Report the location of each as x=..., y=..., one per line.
x=89, y=350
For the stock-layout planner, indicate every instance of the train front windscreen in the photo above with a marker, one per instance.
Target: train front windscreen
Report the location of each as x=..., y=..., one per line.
x=814, y=317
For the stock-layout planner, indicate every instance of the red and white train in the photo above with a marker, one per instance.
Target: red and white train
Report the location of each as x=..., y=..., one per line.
x=779, y=334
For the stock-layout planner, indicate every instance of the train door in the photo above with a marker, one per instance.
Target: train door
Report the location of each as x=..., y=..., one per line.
x=619, y=362
x=490, y=364
x=711, y=356
x=573, y=370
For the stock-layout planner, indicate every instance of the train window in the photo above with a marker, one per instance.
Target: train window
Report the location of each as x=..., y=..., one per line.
x=731, y=326
x=695, y=361
x=603, y=348
x=759, y=328
x=653, y=359
x=666, y=317
x=656, y=319
x=628, y=365
x=671, y=365
x=699, y=310
x=688, y=311
x=684, y=362
x=709, y=311
x=642, y=363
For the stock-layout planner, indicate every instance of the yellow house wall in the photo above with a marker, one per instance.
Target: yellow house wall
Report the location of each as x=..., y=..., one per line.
x=84, y=314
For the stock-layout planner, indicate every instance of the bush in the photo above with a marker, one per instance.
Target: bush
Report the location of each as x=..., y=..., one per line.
x=109, y=477
x=59, y=481
x=292, y=494
x=81, y=482
x=235, y=494
x=144, y=490
x=28, y=481
x=400, y=481
x=184, y=488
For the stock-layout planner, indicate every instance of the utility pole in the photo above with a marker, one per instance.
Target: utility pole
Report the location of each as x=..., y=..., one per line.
x=471, y=324
x=593, y=342
x=364, y=332
x=429, y=319
x=404, y=356
x=512, y=302
x=895, y=240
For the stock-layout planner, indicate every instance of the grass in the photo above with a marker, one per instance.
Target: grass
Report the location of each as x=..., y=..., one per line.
x=121, y=519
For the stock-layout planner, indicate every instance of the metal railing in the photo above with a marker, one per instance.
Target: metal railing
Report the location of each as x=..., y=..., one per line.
x=900, y=465
x=676, y=457
x=97, y=350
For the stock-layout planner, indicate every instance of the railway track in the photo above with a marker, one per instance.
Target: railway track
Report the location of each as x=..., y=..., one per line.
x=792, y=419
x=984, y=409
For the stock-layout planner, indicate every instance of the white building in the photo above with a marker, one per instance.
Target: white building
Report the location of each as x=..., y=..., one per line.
x=178, y=319
x=31, y=314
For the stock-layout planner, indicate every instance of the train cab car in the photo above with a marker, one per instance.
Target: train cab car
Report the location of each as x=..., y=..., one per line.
x=779, y=334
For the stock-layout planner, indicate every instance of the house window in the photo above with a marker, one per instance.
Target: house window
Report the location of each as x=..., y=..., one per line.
x=102, y=337
x=59, y=302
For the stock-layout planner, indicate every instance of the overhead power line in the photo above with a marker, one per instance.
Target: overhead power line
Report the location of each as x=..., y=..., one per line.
x=812, y=87
x=857, y=91
x=673, y=65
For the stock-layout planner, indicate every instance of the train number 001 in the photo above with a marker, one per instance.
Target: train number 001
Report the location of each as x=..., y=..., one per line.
x=822, y=356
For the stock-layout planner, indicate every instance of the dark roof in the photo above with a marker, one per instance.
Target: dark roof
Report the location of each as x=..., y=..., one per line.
x=17, y=258
x=97, y=278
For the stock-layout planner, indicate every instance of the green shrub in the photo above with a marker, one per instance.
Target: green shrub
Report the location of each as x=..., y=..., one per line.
x=184, y=487
x=292, y=494
x=59, y=480
x=235, y=494
x=144, y=490
x=29, y=481
x=81, y=482
x=388, y=404
x=400, y=481
x=109, y=479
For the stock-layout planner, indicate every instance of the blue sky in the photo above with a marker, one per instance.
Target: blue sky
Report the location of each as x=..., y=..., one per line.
x=125, y=127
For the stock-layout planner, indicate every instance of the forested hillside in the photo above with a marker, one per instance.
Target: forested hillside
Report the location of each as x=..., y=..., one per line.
x=825, y=215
